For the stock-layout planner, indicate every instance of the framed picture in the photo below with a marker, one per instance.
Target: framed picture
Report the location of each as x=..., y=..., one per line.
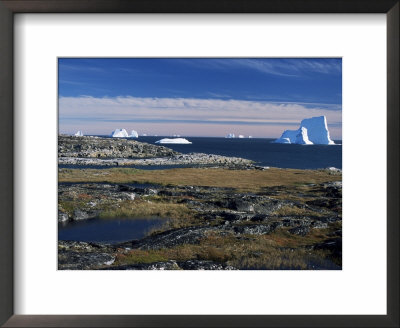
x=194, y=155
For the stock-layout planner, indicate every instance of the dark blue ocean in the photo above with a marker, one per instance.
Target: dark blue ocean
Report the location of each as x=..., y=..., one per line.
x=263, y=151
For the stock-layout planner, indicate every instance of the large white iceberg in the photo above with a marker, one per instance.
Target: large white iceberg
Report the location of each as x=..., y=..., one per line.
x=312, y=130
x=134, y=134
x=182, y=141
x=230, y=135
x=79, y=134
x=119, y=133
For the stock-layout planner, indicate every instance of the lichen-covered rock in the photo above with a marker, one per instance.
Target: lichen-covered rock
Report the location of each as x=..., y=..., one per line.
x=74, y=255
x=173, y=265
x=255, y=229
x=301, y=230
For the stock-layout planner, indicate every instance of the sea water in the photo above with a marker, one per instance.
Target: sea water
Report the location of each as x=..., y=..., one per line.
x=263, y=151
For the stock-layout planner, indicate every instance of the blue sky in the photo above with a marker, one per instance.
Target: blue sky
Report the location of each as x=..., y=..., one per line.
x=188, y=96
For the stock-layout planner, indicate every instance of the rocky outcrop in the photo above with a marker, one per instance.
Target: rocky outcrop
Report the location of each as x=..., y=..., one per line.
x=174, y=265
x=86, y=201
x=222, y=212
x=96, y=147
x=182, y=159
x=81, y=255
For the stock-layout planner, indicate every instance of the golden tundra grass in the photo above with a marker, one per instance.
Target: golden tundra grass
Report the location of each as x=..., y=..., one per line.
x=275, y=251
x=297, y=211
x=178, y=215
x=249, y=180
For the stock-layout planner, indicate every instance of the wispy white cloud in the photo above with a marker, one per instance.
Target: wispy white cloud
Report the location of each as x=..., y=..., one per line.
x=81, y=68
x=274, y=66
x=189, y=111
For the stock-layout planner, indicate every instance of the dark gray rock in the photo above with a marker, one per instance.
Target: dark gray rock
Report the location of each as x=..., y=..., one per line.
x=302, y=230
x=204, y=265
x=259, y=218
x=254, y=229
x=169, y=265
x=74, y=255
x=68, y=260
x=81, y=215
x=173, y=265
x=334, y=245
x=319, y=225
x=171, y=238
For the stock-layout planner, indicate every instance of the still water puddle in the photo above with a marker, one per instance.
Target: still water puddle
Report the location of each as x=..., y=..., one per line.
x=107, y=230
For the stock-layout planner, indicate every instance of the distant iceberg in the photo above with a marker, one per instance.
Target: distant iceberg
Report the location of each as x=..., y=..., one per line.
x=119, y=133
x=312, y=130
x=182, y=141
x=230, y=135
x=134, y=134
x=79, y=134
x=240, y=136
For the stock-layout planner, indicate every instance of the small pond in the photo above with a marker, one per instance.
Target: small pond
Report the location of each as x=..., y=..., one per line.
x=107, y=230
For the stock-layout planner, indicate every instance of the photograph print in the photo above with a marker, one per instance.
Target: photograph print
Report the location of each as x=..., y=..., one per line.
x=199, y=164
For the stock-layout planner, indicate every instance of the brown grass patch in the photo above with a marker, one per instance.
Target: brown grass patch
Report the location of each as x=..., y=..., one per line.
x=249, y=180
x=178, y=215
x=276, y=251
x=297, y=211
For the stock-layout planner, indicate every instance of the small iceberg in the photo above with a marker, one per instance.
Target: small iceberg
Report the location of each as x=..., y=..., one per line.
x=283, y=140
x=181, y=141
x=134, y=134
x=79, y=134
x=119, y=133
x=241, y=136
x=312, y=131
x=230, y=135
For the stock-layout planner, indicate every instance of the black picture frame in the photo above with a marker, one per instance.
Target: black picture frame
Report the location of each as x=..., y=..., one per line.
x=10, y=7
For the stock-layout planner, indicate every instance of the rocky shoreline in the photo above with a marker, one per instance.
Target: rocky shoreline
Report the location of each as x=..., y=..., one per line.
x=181, y=159
x=96, y=151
